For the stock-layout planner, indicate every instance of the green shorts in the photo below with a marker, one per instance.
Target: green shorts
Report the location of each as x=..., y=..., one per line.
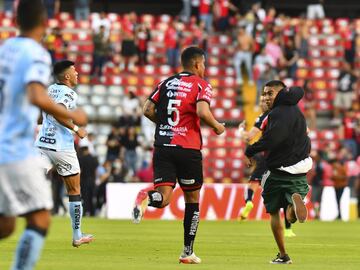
x=278, y=188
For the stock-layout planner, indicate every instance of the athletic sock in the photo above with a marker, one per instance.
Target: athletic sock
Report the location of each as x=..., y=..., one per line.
x=29, y=248
x=249, y=195
x=75, y=210
x=155, y=198
x=191, y=222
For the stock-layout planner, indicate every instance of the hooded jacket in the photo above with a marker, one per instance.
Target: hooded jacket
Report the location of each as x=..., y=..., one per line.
x=285, y=138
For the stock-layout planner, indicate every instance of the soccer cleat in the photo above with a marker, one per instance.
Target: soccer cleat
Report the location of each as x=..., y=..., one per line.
x=289, y=233
x=85, y=239
x=281, y=260
x=246, y=210
x=141, y=202
x=299, y=207
x=191, y=259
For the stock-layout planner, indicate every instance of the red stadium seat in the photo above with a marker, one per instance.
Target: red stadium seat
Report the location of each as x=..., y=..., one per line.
x=329, y=135
x=332, y=74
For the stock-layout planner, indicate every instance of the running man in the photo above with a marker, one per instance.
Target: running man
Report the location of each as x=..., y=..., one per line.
x=260, y=165
x=56, y=143
x=24, y=75
x=288, y=147
x=176, y=106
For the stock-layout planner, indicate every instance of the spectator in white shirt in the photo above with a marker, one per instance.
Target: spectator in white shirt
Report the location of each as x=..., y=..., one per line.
x=102, y=20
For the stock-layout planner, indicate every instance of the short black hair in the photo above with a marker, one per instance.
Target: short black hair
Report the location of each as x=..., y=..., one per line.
x=30, y=14
x=189, y=54
x=61, y=66
x=275, y=83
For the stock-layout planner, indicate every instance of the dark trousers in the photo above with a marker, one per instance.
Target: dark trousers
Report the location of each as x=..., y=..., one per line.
x=57, y=186
x=98, y=63
x=101, y=195
x=87, y=195
x=339, y=191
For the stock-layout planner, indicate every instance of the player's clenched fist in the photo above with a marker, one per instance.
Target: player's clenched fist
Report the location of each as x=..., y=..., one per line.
x=219, y=129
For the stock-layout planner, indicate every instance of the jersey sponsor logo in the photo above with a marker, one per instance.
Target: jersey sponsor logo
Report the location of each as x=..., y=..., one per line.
x=69, y=96
x=176, y=84
x=187, y=181
x=171, y=94
x=49, y=134
x=47, y=140
x=166, y=133
x=167, y=144
x=175, y=129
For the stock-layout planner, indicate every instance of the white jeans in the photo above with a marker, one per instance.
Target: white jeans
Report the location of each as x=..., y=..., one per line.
x=315, y=11
x=239, y=58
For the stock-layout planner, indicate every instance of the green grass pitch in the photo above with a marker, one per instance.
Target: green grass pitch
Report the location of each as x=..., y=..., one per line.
x=224, y=245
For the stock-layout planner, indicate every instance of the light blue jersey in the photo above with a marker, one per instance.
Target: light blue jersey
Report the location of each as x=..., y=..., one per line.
x=22, y=61
x=53, y=135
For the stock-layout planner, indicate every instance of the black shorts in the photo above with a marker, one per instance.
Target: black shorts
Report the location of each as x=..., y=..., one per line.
x=260, y=167
x=184, y=165
x=128, y=48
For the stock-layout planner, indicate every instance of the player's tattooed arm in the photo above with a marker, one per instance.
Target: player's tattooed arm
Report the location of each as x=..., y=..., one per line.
x=149, y=110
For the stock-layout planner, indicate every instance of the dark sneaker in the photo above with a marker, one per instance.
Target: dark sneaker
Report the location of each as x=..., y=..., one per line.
x=281, y=260
x=299, y=207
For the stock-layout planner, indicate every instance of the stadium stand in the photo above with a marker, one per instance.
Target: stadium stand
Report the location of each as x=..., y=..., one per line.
x=102, y=98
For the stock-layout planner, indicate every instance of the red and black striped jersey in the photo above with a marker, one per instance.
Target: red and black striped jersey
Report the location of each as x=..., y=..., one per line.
x=262, y=121
x=175, y=98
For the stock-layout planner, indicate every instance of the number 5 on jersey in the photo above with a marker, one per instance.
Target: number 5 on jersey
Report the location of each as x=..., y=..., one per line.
x=173, y=108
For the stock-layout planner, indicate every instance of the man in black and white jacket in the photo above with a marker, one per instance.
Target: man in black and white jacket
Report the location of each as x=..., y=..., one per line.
x=287, y=146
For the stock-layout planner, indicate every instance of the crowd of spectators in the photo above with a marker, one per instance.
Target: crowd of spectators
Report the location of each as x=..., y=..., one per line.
x=269, y=44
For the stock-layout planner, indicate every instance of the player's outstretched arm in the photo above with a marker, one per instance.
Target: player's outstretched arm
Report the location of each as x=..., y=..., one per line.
x=203, y=111
x=66, y=122
x=149, y=110
x=38, y=96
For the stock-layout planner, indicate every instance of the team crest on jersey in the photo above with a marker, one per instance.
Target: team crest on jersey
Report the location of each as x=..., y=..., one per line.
x=63, y=167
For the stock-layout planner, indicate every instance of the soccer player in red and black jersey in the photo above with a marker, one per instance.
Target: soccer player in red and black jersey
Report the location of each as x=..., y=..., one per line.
x=176, y=107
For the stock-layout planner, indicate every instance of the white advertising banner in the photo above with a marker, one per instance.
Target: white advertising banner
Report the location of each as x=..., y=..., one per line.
x=218, y=202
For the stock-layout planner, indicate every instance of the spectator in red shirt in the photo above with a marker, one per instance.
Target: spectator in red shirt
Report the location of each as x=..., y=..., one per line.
x=143, y=37
x=206, y=16
x=222, y=12
x=145, y=174
x=173, y=44
x=349, y=42
x=348, y=132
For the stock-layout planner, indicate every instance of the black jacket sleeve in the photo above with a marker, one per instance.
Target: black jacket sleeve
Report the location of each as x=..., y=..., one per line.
x=276, y=132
